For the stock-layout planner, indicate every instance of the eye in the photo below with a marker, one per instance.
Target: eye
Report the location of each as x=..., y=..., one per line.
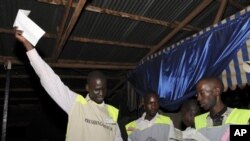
x=96, y=91
x=202, y=92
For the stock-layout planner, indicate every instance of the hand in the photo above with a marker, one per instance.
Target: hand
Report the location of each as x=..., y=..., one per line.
x=19, y=37
x=132, y=129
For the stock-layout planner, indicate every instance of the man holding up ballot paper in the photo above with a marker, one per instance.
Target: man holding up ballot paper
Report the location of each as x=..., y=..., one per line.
x=30, y=30
x=89, y=118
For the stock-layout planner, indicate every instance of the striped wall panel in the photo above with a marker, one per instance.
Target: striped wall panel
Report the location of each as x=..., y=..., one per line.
x=234, y=75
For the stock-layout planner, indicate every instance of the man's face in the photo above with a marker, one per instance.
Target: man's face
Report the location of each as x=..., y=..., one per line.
x=151, y=105
x=97, y=90
x=206, y=96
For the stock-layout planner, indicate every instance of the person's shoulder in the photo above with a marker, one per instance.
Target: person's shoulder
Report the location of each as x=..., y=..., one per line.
x=202, y=115
x=112, y=107
x=131, y=127
x=239, y=110
x=131, y=123
x=163, y=118
x=81, y=99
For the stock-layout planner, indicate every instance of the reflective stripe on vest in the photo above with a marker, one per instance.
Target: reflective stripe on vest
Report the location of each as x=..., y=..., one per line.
x=81, y=99
x=159, y=120
x=201, y=121
x=112, y=111
x=237, y=116
x=131, y=126
x=162, y=120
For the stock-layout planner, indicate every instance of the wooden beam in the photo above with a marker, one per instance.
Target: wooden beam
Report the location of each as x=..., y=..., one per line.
x=98, y=41
x=22, y=99
x=93, y=66
x=8, y=31
x=78, y=64
x=23, y=76
x=32, y=90
x=85, y=77
x=89, y=40
x=192, y=15
x=13, y=60
x=93, y=8
x=221, y=10
x=194, y=28
x=138, y=18
x=68, y=30
x=62, y=26
x=116, y=87
x=15, y=76
x=19, y=90
x=56, y=2
x=236, y=4
x=92, y=62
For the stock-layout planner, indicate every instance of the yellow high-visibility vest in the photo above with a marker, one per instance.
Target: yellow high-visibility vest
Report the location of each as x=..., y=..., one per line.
x=159, y=120
x=237, y=117
x=113, y=112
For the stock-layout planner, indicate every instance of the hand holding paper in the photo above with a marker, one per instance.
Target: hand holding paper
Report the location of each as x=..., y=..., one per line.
x=31, y=31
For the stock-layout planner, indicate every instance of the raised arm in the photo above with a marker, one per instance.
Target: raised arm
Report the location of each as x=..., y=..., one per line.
x=51, y=82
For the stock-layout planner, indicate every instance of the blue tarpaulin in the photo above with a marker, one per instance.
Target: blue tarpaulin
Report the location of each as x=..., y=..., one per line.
x=174, y=71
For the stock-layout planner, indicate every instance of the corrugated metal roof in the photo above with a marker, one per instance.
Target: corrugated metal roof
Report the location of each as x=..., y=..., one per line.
x=109, y=27
x=111, y=35
x=98, y=52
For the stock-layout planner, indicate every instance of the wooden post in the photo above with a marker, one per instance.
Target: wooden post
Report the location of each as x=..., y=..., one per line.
x=6, y=100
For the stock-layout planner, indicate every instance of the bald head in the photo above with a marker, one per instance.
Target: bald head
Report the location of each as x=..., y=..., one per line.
x=150, y=94
x=95, y=75
x=214, y=82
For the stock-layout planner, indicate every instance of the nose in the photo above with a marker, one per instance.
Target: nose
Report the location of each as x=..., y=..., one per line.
x=154, y=105
x=198, y=97
x=101, y=92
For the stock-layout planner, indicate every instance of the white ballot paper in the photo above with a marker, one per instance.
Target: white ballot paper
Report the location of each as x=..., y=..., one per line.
x=31, y=31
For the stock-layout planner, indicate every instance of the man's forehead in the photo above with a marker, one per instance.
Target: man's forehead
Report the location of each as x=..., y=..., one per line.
x=151, y=98
x=98, y=81
x=205, y=83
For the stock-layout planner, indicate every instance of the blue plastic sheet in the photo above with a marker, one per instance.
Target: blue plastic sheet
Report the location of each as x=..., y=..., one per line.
x=174, y=73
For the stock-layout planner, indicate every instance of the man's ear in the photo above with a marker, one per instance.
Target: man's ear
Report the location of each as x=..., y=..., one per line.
x=218, y=91
x=87, y=87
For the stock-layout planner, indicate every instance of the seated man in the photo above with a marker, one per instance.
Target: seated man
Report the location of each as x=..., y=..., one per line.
x=215, y=123
x=189, y=110
x=152, y=125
